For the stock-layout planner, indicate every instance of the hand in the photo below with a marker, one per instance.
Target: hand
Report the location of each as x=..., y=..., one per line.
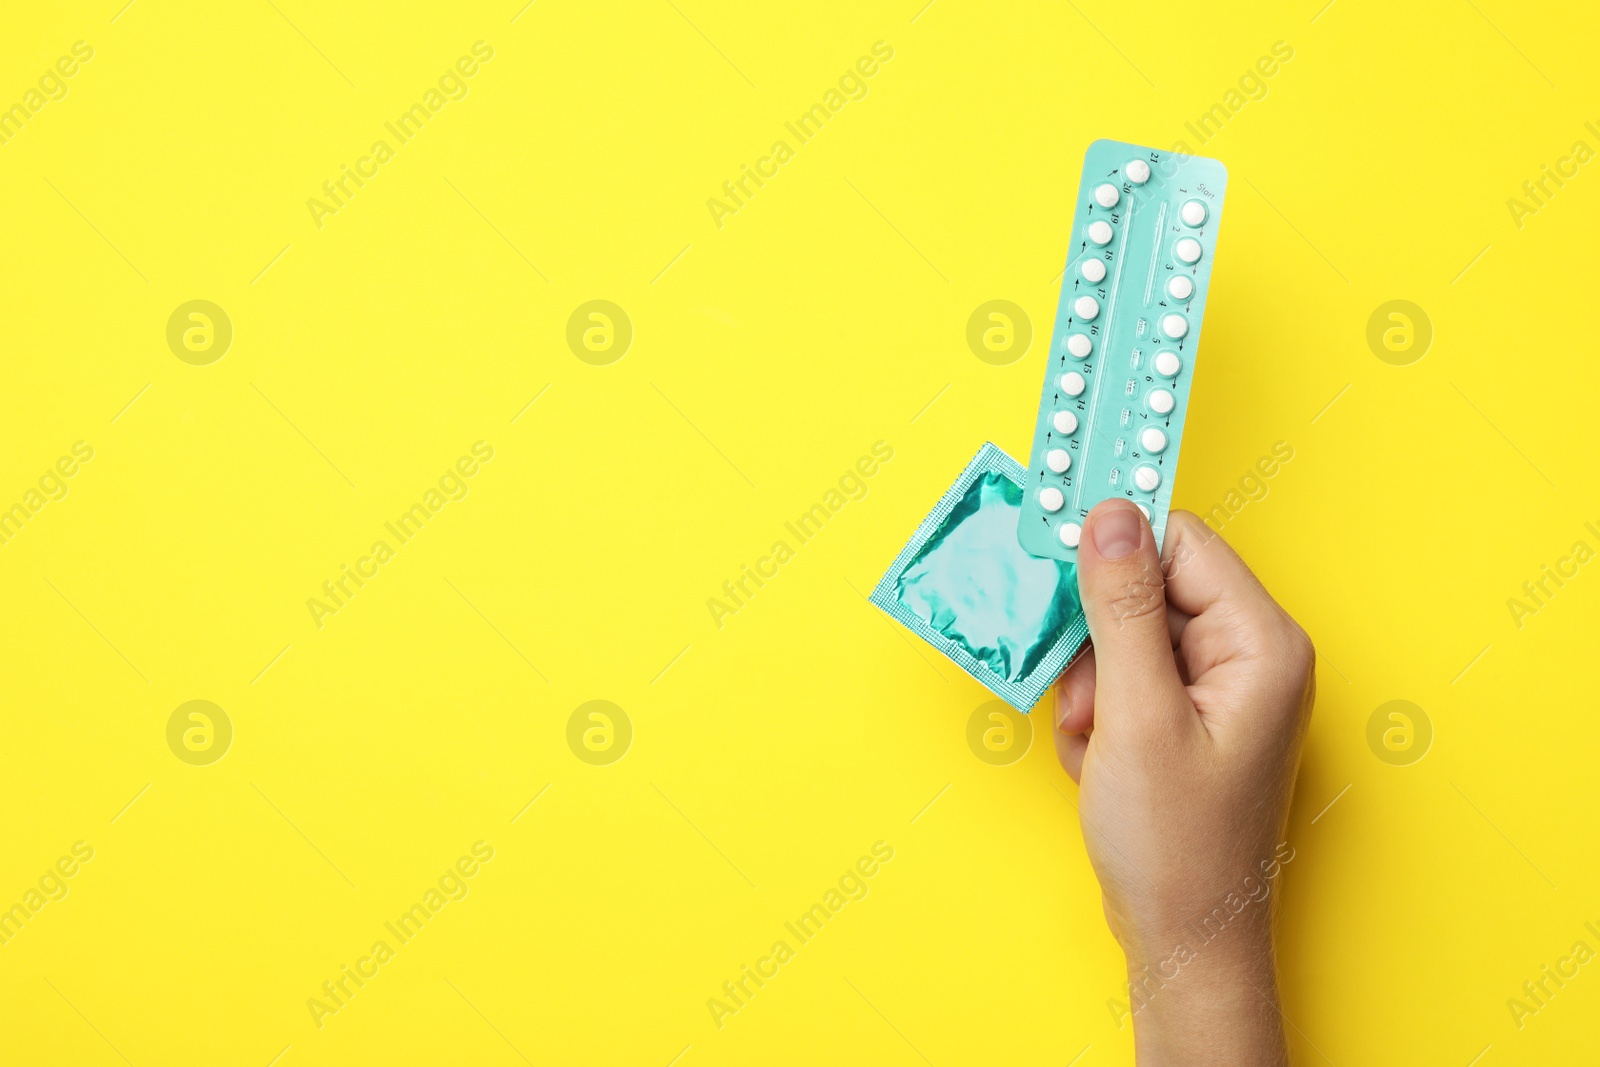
x=1183, y=729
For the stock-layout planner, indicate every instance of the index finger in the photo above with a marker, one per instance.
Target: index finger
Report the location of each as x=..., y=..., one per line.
x=1203, y=572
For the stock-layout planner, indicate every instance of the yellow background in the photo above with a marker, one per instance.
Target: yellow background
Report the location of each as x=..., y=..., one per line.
x=768, y=355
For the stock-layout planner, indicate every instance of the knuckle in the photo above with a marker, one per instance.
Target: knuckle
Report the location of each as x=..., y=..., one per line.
x=1191, y=527
x=1302, y=652
x=1179, y=557
x=1139, y=593
x=1186, y=521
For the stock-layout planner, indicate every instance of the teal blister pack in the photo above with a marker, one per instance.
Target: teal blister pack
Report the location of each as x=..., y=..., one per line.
x=963, y=584
x=1121, y=360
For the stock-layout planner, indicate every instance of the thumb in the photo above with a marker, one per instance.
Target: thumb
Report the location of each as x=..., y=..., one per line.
x=1124, y=598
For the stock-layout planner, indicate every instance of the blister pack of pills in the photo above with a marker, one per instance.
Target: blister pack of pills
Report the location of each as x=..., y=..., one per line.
x=1121, y=360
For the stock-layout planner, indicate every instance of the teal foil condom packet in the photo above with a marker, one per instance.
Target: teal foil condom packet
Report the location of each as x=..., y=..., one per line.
x=965, y=585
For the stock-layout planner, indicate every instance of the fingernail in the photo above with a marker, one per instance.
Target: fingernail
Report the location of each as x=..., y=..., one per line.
x=1115, y=532
x=1063, y=709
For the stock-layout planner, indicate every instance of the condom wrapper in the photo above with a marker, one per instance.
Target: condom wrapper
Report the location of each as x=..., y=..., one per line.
x=964, y=584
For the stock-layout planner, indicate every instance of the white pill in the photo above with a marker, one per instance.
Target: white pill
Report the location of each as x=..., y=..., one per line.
x=1094, y=271
x=1174, y=326
x=1070, y=532
x=1138, y=171
x=1147, y=478
x=1153, y=439
x=1193, y=213
x=1168, y=364
x=1051, y=498
x=1161, y=401
x=1078, y=345
x=1187, y=250
x=1057, y=460
x=1072, y=383
x=1143, y=511
x=1180, y=287
x=1100, y=232
x=1065, y=422
x=1106, y=195
x=1086, y=308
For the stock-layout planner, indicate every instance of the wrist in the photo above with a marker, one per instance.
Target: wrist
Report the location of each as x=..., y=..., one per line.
x=1206, y=1000
x=1167, y=945
x=1217, y=916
